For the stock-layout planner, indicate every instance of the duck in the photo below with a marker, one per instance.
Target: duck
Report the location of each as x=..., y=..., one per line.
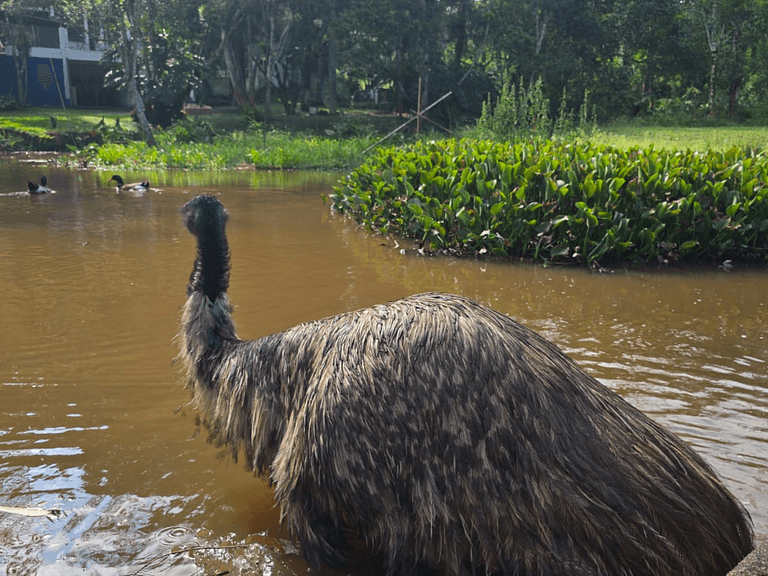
x=142, y=186
x=41, y=188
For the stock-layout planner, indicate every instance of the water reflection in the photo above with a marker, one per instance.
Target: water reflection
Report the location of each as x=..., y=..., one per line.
x=92, y=285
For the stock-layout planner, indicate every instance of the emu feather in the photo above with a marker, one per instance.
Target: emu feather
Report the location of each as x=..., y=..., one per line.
x=448, y=435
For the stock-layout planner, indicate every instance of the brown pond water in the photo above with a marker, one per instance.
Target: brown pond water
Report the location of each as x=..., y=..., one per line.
x=92, y=283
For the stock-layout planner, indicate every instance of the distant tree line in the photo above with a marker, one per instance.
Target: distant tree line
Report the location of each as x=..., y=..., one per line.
x=672, y=58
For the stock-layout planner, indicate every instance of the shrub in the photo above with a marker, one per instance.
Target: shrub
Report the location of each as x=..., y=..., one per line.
x=9, y=103
x=521, y=113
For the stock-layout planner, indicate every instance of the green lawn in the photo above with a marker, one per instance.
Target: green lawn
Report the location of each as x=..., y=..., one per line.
x=37, y=120
x=720, y=138
x=355, y=123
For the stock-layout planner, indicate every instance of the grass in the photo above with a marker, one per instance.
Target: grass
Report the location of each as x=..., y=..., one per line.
x=230, y=139
x=37, y=120
x=223, y=140
x=626, y=135
x=270, y=150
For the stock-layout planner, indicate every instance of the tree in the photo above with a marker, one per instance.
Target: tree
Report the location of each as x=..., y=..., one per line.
x=629, y=54
x=278, y=18
x=234, y=20
x=16, y=20
x=124, y=24
x=171, y=62
x=717, y=29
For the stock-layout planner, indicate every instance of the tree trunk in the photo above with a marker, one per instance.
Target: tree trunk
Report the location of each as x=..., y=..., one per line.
x=268, y=68
x=275, y=52
x=541, y=33
x=461, y=33
x=648, y=80
x=714, y=37
x=240, y=57
x=736, y=75
x=21, y=61
x=250, y=62
x=138, y=103
x=234, y=71
x=22, y=44
x=733, y=97
x=712, y=73
x=130, y=54
x=333, y=63
x=425, y=44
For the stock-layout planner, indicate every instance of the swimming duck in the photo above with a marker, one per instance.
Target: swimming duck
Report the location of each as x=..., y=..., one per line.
x=41, y=188
x=142, y=186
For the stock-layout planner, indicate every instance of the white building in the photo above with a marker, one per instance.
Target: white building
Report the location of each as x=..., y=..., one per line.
x=63, y=67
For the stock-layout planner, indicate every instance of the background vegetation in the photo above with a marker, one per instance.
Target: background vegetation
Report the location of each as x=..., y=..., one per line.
x=689, y=61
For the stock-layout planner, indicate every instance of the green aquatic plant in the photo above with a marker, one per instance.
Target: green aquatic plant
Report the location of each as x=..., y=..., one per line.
x=176, y=149
x=555, y=201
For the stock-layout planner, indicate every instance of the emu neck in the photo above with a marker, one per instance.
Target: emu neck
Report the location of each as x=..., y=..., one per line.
x=210, y=274
x=207, y=313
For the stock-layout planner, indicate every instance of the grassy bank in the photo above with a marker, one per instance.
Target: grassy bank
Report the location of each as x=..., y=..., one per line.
x=201, y=143
x=249, y=148
x=228, y=139
x=52, y=129
x=625, y=135
x=231, y=140
x=46, y=121
x=222, y=140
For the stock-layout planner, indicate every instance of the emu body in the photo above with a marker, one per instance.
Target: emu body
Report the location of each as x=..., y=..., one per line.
x=446, y=434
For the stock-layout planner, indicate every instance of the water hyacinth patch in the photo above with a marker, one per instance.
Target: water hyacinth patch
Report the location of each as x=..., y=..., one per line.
x=554, y=201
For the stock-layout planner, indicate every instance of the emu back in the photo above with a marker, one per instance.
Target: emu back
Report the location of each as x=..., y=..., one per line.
x=446, y=434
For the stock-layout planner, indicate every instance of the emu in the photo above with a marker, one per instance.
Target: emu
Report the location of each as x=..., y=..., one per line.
x=446, y=435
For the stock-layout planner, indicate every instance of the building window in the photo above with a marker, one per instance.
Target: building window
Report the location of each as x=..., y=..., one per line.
x=45, y=36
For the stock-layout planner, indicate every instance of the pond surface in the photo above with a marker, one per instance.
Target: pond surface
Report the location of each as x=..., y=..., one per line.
x=92, y=283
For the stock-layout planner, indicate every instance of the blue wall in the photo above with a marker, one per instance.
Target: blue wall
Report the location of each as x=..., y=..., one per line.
x=41, y=80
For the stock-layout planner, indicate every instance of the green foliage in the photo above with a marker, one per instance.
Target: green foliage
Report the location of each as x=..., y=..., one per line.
x=9, y=103
x=195, y=129
x=551, y=201
x=194, y=145
x=284, y=151
x=521, y=113
x=662, y=59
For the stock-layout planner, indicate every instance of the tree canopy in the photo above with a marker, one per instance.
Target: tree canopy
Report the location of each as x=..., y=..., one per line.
x=635, y=57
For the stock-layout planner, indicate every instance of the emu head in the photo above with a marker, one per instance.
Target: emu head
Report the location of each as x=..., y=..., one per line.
x=204, y=215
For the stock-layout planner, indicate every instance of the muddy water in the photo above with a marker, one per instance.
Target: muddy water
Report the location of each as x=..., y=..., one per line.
x=91, y=284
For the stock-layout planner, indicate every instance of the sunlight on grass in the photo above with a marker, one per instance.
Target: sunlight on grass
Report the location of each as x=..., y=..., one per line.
x=37, y=120
x=687, y=138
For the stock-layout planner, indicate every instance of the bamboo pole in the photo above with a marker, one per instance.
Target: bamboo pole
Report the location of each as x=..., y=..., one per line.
x=56, y=80
x=396, y=130
x=418, y=110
